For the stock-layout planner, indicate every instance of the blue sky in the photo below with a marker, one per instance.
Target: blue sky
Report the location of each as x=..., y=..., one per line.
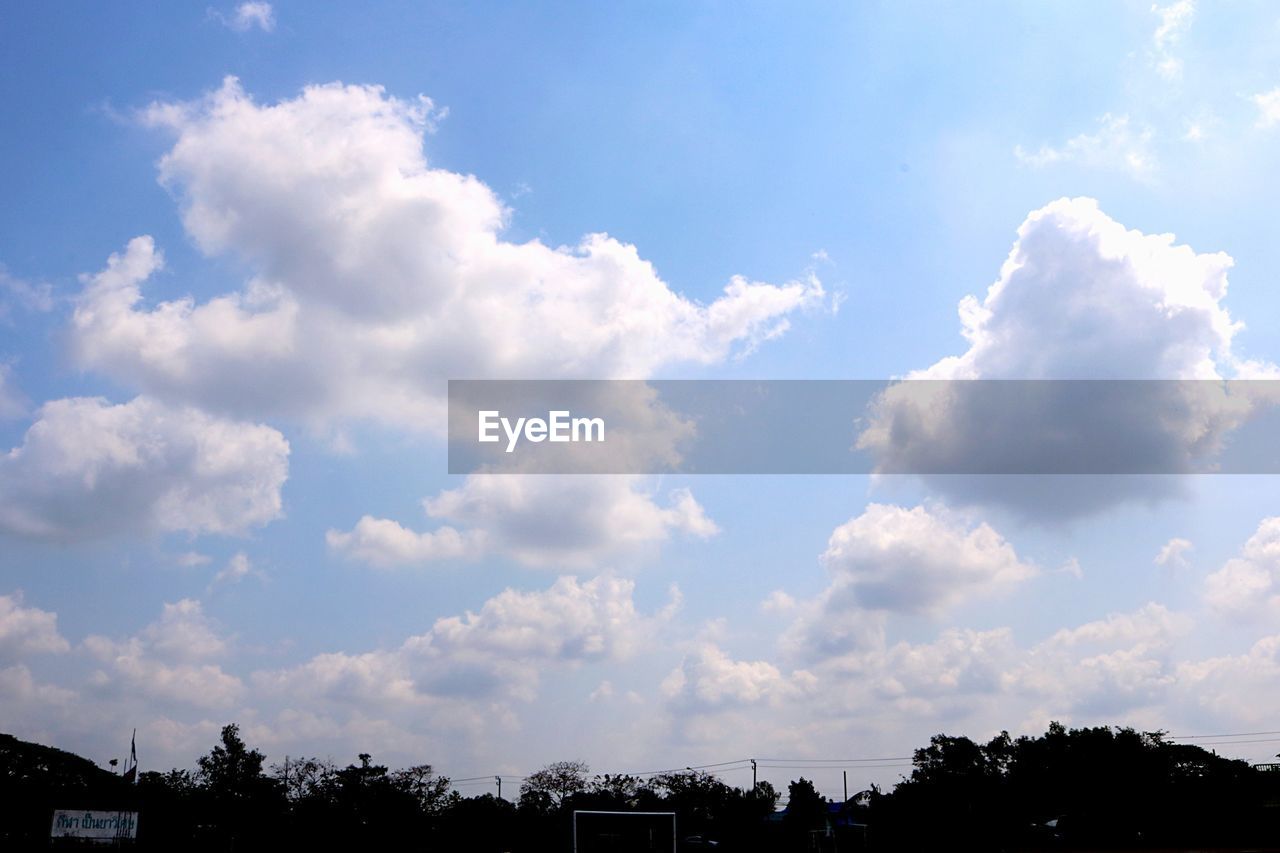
x=181, y=517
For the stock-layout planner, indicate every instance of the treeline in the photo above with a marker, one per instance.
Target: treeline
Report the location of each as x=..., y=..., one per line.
x=1092, y=787
x=1081, y=788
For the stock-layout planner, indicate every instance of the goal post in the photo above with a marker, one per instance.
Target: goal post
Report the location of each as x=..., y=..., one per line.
x=623, y=832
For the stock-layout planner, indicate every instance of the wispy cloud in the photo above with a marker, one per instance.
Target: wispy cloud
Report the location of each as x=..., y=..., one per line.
x=247, y=16
x=1117, y=144
x=1175, y=20
x=1268, y=104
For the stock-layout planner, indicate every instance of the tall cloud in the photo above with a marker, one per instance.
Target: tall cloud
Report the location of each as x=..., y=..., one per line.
x=1079, y=297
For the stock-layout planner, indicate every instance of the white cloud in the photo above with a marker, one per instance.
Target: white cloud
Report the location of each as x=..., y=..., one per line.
x=1175, y=20
x=1105, y=668
x=184, y=633
x=237, y=569
x=27, y=630
x=493, y=655
x=1120, y=667
x=557, y=522
x=919, y=559
x=708, y=679
x=355, y=238
x=778, y=602
x=1249, y=585
x=383, y=543
x=1268, y=104
x=31, y=702
x=572, y=620
x=893, y=560
x=87, y=468
x=1173, y=554
x=1117, y=145
x=31, y=296
x=1151, y=626
x=1233, y=690
x=1072, y=568
x=1082, y=297
x=252, y=14
x=172, y=660
x=1079, y=297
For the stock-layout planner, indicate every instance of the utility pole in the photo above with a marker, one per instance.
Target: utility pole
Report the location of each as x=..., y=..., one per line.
x=845, y=773
x=499, y=780
x=753, y=773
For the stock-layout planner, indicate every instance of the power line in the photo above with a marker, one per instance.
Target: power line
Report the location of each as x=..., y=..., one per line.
x=1232, y=734
x=830, y=767
x=745, y=762
x=1223, y=743
x=837, y=761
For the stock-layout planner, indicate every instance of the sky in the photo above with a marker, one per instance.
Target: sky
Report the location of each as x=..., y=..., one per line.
x=244, y=247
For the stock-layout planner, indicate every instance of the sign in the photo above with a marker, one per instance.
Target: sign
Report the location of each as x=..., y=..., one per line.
x=101, y=826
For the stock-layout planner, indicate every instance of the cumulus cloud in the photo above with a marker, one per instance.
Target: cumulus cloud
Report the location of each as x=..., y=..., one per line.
x=708, y=679
x=27, y=630
x=1233, y=689
x=893, y=560
x=1082, y=297
x=172, y=660
x=1079, y=297
x=1119, y=667
x=558, y=522
x=87, y=468
x=353, y=237
x=30, y=702
x=493, y=655
x=1111, y=666
x=917, y=560
x=1249, y=585
x=848, y=669
x=383, y=543
x=1116, y=145
x=572, y=620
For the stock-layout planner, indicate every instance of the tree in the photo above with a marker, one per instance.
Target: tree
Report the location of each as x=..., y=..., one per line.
x=304, y=778
x=764, y=797
x=806, y=808
x=556, y=783
x=617, y=789
x=249, y=804
x=429, y=791
x=231, y=770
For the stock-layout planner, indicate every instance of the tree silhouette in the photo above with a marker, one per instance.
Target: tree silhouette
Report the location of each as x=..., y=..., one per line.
x=555, y=783
x=231, y=770
x=1087, y=788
